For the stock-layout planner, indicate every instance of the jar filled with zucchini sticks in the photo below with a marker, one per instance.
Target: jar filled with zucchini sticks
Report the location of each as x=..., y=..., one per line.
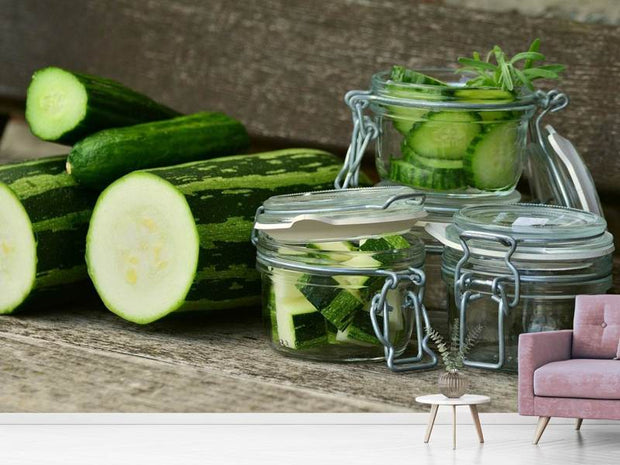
x=517, y=268
x=342, y=275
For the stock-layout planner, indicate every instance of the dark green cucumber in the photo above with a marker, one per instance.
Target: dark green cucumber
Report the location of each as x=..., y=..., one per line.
x=492, y=161
x=103, y=157
x=423, y=177
x=194, y=221
x=43, y=222
x=64, y=106
x=444, y=134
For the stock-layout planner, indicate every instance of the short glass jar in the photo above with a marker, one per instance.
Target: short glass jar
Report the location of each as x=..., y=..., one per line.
x=440, y=210
x=452, y=139
x=333, y=265
x=518, y=268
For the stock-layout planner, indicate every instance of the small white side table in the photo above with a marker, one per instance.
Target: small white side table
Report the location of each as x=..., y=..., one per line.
x=436, y=400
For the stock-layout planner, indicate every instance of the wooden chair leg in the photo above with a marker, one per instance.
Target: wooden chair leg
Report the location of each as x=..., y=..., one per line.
x=578, y=423
x=431, y=422
x=540, y=429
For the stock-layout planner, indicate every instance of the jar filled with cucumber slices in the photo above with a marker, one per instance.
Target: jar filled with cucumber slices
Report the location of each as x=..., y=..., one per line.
x=518, y=268
x=435, y=133
x=342, y=275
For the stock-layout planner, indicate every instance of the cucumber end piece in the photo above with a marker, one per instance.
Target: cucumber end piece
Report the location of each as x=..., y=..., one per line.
x=56, y=103
x=18, y=252
x=142, y=247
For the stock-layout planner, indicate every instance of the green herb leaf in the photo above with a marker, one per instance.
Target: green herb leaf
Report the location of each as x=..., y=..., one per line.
x=498, y=71
x=531, y=56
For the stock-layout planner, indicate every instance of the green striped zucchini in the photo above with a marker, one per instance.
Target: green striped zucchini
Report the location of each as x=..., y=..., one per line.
x=43, y=223
x=64, y=106
x=178, y=238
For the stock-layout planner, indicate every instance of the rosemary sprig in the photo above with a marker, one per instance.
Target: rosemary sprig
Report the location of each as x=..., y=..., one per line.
x=497, y=70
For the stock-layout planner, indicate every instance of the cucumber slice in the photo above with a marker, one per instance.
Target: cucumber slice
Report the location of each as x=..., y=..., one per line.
x=403, y=118
x=484, y=95
x=299, y=324
x=424, y=177
x=409, y=76
x=492, y=161
x=18, y=252
x=353, y=283
x=412, y=157
x=382, y=244
x=143, y=253
x=445, y=134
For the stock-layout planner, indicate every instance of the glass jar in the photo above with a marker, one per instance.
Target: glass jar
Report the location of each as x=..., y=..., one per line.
x=334, y=264
x=517, y=268
x=440, y=211
x=453, y=139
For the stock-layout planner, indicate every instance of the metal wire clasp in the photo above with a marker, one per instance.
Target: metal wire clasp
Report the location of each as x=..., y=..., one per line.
x=365, y=129
x=413, y=299
x=465, y=282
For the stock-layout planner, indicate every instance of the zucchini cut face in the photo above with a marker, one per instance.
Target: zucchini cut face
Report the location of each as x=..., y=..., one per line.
x=142, y=247
x=18, y=252
x=57, y=103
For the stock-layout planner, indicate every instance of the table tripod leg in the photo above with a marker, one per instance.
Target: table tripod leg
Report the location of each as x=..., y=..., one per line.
x=474, y=414
x=431, y=422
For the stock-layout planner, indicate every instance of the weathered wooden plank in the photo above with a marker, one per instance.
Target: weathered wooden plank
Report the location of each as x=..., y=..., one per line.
x=231, y=344
x=43, y=376
x=283, y=66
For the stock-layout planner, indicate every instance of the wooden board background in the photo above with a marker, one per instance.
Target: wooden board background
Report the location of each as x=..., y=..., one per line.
x=282, y=67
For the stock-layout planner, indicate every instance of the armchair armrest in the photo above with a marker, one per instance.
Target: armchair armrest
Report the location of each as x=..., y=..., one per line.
x=536, y=350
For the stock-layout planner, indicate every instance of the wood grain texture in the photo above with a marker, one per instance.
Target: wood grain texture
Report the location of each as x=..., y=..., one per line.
x=283, y=66
x=220, y=348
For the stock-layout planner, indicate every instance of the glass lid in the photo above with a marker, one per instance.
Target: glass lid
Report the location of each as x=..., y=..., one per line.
x=531, y=222
x=340, y=214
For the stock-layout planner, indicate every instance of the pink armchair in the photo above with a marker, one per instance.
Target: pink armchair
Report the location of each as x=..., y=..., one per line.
x=573, y=374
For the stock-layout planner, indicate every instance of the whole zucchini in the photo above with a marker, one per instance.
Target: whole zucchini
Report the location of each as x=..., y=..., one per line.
x=107, y=155
x=179, y=237
x=63, y=106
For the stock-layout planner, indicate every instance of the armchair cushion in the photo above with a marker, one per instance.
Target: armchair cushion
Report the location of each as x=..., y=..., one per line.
x=596, y=326
x=579, y=378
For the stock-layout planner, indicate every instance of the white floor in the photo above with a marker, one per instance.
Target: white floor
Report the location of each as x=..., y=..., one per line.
x=298, y=439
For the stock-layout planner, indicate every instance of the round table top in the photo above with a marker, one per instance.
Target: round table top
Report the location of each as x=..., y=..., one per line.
x=440, y=399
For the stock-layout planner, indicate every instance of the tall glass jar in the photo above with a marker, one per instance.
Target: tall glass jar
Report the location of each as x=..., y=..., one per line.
x=342, y=275
x=515, y=269
x=446, y=139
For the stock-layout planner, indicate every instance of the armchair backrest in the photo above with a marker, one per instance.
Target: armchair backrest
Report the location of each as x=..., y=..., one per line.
x=596, y=327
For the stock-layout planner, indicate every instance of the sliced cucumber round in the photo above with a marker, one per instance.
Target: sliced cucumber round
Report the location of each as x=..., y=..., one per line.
x=445, y=163
x=18, y=252
x=142, y=247
x=445, y=134
x=492, y=162
x=424, y=177
x=56, y=104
